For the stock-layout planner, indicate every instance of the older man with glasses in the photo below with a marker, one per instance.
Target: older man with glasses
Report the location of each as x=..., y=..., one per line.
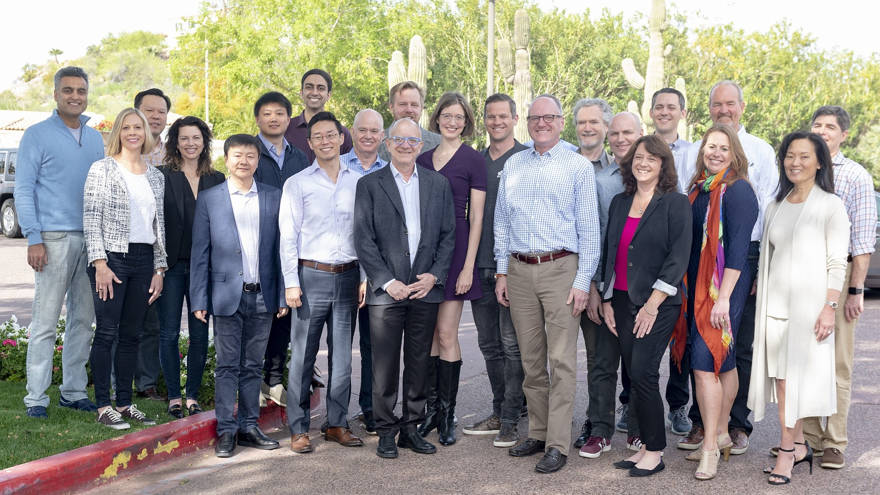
x=547, y=250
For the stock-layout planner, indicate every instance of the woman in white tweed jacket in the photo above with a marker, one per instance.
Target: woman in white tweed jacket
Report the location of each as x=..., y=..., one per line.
x=125, y=238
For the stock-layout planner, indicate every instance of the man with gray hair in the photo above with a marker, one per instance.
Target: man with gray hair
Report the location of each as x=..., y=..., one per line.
x=546, y=250
x=366, y=133
x=726, y=106
x=53, y=161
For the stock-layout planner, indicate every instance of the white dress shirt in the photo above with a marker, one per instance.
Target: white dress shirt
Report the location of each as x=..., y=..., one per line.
x=317, y=220
x=763, y=173
x=246, y=210
x=409, y=196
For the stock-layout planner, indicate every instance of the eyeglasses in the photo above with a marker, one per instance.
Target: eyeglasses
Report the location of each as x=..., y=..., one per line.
x=399, y=140
x=548, y=119
x=448, y=117
x=330, y=136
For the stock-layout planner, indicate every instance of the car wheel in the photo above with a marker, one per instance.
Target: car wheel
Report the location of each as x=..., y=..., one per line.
x=9, y=219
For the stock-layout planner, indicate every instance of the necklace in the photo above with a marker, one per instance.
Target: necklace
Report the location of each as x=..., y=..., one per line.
x=641, y=205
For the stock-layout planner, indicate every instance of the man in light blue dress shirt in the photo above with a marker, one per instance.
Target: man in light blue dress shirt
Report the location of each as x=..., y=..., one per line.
x=367, y=133
x=547, y=250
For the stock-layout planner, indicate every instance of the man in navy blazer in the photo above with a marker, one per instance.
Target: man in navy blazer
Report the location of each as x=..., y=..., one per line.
x=279, y=161
x=404, y=236
x=235, y=275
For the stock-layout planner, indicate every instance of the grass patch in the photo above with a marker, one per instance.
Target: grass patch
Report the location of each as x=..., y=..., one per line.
x=27, y=438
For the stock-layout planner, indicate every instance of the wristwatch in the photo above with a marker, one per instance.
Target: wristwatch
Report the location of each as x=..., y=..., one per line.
x=833, y=304
x=499, y=275
x=856, y=290
x=160, y=272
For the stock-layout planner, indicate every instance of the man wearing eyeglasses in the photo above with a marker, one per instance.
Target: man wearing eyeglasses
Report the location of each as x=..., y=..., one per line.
x=406, y=101
x=404, y=226
x=547, y=250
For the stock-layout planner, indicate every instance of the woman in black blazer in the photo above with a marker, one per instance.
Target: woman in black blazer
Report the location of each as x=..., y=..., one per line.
x=187, y=171
x=647, y=244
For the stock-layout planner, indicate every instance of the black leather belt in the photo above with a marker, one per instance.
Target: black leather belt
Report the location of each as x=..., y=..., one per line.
x=251, y=287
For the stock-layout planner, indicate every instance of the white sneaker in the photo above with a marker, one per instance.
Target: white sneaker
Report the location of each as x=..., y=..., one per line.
x=112, y=418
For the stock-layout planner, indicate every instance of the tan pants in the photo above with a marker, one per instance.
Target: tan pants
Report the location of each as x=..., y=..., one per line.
x=547, y=334
x=834, y=434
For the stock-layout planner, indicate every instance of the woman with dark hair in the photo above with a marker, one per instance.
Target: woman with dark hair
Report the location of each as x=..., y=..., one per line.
x=644, y=259
x=187, y=171
x=724, y=208
x=806, y=237
x=465, y=168
x=124, y=231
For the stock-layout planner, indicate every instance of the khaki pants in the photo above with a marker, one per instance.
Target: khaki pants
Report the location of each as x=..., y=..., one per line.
x=834, y=434
x=547, y=334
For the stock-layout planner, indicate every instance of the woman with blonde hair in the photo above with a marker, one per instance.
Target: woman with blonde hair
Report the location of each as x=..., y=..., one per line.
x=124, y=228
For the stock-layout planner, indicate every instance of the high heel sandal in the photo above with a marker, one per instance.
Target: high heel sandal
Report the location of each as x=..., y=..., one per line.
x=724, y=445
x=808, y=458
x=783, y=479
x=708, y=464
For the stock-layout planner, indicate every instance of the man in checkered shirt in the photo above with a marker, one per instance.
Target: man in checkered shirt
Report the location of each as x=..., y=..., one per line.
x=856, y=188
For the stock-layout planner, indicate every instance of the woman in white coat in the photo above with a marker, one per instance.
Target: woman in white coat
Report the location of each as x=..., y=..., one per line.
x=800, y=275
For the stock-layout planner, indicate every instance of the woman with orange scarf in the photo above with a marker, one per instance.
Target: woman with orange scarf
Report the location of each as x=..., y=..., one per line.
x=724, y=210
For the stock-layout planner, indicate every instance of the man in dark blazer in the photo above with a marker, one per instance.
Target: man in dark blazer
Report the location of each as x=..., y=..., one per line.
x=235, y=276
x=404, y=235
x=279, y=161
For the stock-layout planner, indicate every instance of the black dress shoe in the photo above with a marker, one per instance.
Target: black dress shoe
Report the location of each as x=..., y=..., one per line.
x=529, y=447
x=256, y=439
x=413, y=441
x=552, y=461
x=640, y=473
x=225, y=445
x=624, y=464
x=175, y=411
x=387, y=448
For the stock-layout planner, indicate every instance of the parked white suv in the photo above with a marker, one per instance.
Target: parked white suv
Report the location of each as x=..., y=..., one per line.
x=8, y=216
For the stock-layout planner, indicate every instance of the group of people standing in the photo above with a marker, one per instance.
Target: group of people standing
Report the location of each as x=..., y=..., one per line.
x=748, y=265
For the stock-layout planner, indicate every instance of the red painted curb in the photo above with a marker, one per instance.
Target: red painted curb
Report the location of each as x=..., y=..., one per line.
x=105, y=461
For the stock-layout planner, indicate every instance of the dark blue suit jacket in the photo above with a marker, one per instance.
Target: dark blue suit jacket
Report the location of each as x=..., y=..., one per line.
x=216, y=274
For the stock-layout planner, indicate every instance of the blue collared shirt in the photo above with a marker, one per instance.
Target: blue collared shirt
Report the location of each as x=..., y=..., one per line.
x=279, y=158
x=679, y=149
x=547, y=202
x=353, y=163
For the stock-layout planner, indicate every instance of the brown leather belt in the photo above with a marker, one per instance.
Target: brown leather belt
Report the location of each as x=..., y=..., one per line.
x=326, y=267
x=543, y=258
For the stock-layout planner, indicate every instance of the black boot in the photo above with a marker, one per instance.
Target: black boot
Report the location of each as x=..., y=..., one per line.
x=448, y=388
x=431, y=405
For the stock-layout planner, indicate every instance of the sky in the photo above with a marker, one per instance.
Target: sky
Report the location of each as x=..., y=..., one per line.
x=32, y=28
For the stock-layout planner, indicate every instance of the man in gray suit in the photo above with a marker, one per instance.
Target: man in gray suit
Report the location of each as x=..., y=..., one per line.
x=404, y=235
x=406, y=101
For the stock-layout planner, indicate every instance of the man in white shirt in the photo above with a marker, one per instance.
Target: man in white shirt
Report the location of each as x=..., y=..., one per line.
x=321, y=280
x=726, y=106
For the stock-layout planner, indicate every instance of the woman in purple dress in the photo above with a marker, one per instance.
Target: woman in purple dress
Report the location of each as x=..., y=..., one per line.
x=465, y=169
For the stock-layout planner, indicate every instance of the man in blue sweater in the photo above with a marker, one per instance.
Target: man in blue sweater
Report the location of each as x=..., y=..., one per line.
x=54, y=158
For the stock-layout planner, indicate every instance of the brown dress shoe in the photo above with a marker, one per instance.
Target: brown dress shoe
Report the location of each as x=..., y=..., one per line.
x=694, y=439
x=740, y=441
x=342, y=436
x=832, y=459
x=300, y=443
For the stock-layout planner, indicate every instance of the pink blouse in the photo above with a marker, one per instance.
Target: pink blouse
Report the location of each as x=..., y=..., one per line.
x=620, y=259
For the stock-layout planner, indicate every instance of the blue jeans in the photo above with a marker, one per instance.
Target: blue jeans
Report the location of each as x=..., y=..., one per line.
x=329, y=298
x=120, y=319
x=64, y=276
x=174, y=291
x=240, y=342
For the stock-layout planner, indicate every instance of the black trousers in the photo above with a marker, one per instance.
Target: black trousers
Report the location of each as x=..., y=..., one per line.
x=276, y=351
x=410, y=322
x=642, y=357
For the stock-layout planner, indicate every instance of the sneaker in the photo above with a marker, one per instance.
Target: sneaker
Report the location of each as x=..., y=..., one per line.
x=679, y=423
x=368, y=422
x=594, y=447
x=111, y=418
x=621, y=425
x=586, y=432
x=37, y=412
x=693, y=440
x=634, y=443
x=80, y=405
x=133, y=413
x=507, y=436
x=832, y=459
x=488, y=426
x=278, y=395
x=740, y=441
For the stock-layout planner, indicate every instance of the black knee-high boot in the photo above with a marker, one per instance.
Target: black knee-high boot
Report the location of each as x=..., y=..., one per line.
x=448, y=390
x=432, y=406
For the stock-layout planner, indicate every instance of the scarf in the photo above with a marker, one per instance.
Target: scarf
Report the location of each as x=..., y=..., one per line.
x=708, y=280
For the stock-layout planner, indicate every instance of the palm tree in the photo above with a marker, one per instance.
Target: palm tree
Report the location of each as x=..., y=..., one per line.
x=55, y=52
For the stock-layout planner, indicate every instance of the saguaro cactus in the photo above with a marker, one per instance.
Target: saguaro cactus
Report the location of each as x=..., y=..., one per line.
x=654, y=77
x=418, y=69
x=396, y=69
x=522, y=79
